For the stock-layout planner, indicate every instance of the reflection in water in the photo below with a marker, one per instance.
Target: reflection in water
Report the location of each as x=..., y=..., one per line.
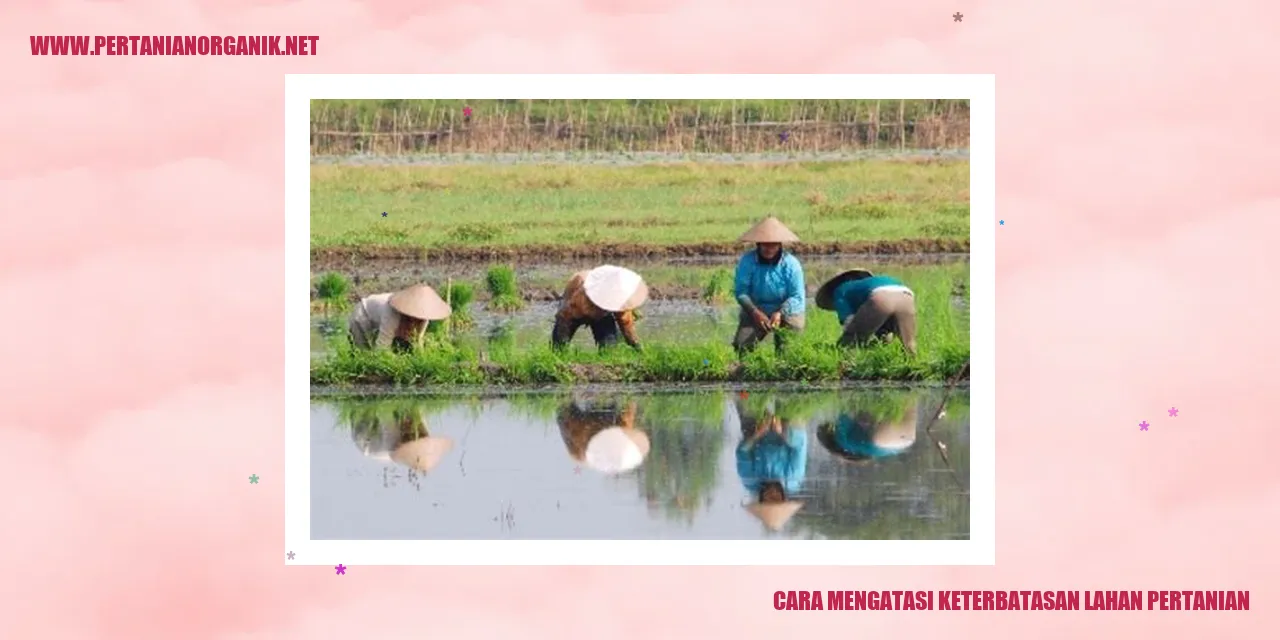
x=663, y=465
x=603, y=435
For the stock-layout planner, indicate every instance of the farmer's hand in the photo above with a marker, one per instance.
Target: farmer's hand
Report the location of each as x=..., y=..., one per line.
x=776, y=319
x=762, y=321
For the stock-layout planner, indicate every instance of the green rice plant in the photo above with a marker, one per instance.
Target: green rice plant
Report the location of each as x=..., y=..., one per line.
x=459, y=296
x=504, y=294
x=719, y=287
x=332, y=289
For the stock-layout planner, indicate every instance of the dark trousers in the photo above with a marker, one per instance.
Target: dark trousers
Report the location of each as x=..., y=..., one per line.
x=604, y=330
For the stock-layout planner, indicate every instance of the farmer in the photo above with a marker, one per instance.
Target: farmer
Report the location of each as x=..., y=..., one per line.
x=603, y=437
x=771, y=463
x=869, y=305
x=605, y=298
x=769, y=286
x=395, y=320
x=862, y=434
x=400, y=437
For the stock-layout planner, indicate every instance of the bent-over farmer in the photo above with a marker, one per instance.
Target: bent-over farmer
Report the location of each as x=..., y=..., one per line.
x=395, y=320
x=769, y=286
x=870, y=306
x=604, y=298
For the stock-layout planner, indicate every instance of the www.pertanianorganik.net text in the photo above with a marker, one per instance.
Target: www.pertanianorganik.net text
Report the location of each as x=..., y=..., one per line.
x=174, y=45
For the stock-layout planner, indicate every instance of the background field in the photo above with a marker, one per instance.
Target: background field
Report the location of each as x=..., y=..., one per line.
x=665, y=187
x=344, y=127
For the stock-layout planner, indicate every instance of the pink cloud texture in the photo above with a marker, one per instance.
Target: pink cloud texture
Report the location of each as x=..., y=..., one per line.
x=1137, y=178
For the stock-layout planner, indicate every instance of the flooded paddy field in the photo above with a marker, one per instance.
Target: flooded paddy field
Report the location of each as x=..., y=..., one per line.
x=620, y=463
x=690, y=300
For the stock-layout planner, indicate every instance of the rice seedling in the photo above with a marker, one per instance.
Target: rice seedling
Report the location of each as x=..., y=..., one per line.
x=719, y=287
x=504, y=295
x=332, y=289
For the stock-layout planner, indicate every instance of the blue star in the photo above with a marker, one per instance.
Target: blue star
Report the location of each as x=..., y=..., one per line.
x=1001, y=222
x=384, y=214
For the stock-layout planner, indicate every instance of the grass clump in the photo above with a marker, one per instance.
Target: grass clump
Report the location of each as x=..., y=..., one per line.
x=332, y=289
x=504, y=295
x=719, y=287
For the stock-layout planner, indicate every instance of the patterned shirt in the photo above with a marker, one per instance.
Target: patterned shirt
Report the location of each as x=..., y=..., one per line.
x=576, y=308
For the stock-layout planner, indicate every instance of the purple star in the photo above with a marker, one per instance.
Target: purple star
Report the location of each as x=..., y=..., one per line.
x=1173, y=412
x=384, y=214
x=957, y=16
x=782, y=137
x=1143, y=425
x=342, y=571
x=290, y=556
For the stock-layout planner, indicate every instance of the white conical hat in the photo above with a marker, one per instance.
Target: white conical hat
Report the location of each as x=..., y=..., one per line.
x=774, y=514
x=616, y=450
x=615, y=288
x=422, y=454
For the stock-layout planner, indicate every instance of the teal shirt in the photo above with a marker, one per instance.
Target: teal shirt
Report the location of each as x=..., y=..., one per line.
x=774, y=458
x=770, y=287
x=852, y=294
x=853, y=438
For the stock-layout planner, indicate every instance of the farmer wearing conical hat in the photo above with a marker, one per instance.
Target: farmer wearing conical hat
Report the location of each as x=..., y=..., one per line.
x=401, y=437
x=395, y=320
x=603, y=437
x=604, y=298
x=769, y=286
x=771, y=462
x=870, y=306
x=867, y=433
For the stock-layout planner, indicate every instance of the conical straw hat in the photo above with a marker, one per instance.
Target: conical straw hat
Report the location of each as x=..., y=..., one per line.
x=616, y=450
x=421, y=302
x=422, y=454
x=769, y=230
x=823, y=298
x=774, y=514
x=615, y=288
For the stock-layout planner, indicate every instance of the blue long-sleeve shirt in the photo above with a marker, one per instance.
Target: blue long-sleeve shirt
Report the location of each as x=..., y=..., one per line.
x=774, y=458
x=852, y=294
x=770, y=287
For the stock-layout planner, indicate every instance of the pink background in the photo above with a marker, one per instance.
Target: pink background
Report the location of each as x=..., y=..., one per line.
x=1137, y=160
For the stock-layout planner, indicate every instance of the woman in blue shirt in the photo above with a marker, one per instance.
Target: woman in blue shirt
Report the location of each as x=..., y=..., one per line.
x=771, y=460
x=870, y=306
x=769, y=286
x=872, y=431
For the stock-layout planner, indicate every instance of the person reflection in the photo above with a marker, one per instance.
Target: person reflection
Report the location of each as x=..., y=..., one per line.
x=771, y=460
x=871, y=428
x=602, y=435
x=398, y=435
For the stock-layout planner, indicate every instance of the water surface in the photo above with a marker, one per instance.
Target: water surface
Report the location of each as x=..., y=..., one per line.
x=857, y=464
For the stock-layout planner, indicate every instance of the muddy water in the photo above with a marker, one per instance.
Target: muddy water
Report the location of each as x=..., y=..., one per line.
x=858, y=464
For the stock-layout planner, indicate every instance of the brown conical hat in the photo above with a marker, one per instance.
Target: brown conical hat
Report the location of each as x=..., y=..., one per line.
x=421, y=302
x=422, y=454
x=774, y=514
x=823, y=297
x=770, y=229
x=615, y=288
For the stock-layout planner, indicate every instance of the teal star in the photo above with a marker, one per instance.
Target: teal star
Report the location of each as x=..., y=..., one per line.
x=253, y=479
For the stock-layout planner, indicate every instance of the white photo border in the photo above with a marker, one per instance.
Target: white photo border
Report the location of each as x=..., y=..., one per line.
x=300, y=89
